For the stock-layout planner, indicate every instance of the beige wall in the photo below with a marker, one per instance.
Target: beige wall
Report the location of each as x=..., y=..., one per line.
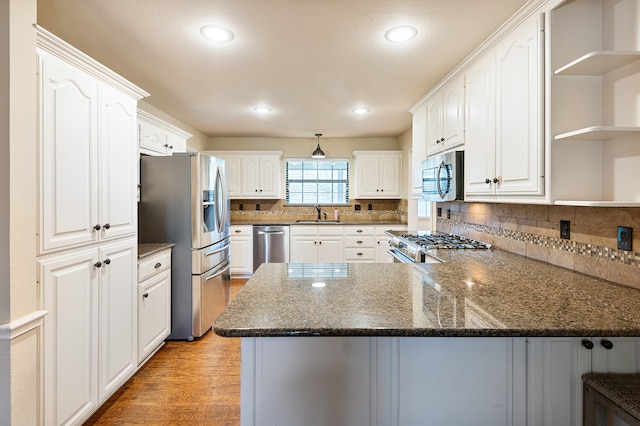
x=533, y=231
x=19, y=354
x=303, y=147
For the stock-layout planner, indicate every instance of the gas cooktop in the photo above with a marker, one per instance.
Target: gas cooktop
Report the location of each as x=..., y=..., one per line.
x=428, y=241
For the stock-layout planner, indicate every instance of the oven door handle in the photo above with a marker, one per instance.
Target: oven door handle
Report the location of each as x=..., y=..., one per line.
x=402, y=258
x=218, y=250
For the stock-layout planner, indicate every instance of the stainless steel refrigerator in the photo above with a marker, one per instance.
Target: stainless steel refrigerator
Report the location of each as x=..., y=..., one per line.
x=184, y=200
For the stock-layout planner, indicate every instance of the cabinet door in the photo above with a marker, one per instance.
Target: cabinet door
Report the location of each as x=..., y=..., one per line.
x=480, y=126
x=241, y=250
x=368, y=176
x=250, y=176
x=68, y=187
x=118, y=318
x=616, y=355
x=434, y=124
x=152, y=139
x=269, y=177
x=453, y=113
x=518, y=111
x=330, y=249
x=418, y=148
x=234, y=175
x=556, y=366
x=118, y=164
x=304, y=249
x=176, y=144
x=154, y=313
x=70, y=296
x=390, y=176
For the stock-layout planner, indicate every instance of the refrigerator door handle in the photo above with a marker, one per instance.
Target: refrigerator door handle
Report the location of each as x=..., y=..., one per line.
x=218, y=250
x=218, y=273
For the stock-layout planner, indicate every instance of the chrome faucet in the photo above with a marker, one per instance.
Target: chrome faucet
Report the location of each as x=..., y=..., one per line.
x=317, y=207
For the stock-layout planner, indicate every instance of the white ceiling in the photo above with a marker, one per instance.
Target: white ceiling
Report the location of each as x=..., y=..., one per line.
x=311, y=61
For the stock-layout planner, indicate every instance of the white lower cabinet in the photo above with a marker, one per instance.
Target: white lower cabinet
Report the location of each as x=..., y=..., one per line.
x=556, y=366
x=241, y=250
x=89, y=332
x=310, y=244
x=359, y=244
x=154, y=302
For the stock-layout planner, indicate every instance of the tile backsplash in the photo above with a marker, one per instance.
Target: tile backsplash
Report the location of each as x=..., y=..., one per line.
x=276, y=211
x=534, y=231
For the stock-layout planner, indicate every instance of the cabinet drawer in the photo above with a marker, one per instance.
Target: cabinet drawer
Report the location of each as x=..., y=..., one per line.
x=154, y=264
x=362, y=254
x=358, y=230
x=356, y=242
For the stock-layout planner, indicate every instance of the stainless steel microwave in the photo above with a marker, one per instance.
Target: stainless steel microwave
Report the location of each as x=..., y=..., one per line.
x=442, y=177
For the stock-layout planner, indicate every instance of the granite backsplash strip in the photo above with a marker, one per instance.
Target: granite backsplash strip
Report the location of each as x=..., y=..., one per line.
x=534, y=231
x=275, y=211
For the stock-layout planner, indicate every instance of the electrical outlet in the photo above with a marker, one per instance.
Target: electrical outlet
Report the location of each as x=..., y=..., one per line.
x=625, y=236
x=356, y=207
x=370, y=207
x=448, y=213
x=241, y=207
x=257, y=207
x=439, y=211
x=565, y=229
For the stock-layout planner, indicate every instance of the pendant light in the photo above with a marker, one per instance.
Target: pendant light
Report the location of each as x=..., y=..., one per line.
x=318, y=153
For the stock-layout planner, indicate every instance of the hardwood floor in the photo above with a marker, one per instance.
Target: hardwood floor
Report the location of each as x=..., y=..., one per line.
x=194, y=383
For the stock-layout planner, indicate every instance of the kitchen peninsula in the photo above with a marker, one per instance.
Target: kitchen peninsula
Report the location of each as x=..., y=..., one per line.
x=485, y=338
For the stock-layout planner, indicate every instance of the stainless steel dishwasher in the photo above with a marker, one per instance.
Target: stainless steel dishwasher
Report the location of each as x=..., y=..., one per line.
x=270, y=244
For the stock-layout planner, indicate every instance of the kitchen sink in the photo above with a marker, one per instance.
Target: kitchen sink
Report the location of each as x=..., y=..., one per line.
x=317, y=221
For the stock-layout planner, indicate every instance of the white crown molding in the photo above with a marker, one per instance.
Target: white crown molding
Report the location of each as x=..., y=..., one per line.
x=168, y=126
x=48, y=42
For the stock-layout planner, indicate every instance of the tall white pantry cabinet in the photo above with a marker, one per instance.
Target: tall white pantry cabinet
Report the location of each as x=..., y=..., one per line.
x=87, y=242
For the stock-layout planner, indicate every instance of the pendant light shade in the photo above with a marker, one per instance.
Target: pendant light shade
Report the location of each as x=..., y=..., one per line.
x=318, y=153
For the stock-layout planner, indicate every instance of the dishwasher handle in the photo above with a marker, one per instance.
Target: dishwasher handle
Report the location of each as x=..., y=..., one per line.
x=270, y=232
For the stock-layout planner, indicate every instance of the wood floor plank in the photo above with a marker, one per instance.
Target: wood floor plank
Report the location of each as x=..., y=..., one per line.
x=194, y=383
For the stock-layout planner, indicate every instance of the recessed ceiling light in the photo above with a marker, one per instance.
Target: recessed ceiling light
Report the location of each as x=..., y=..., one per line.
x=401, y=33
x=216, y=33
x=360, y=110
x=262, y=109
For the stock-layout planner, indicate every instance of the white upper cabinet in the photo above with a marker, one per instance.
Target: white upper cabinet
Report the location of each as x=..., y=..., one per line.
x=504, y=149
x=252, y=174
x=378, y=174
x=87, y=158
x=480, y=129
x=519, y=147
x=445, y=117
x=595, y=85
x=157, y=137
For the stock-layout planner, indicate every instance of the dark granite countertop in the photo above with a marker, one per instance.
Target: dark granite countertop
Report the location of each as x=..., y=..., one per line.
x=147, y=249
x=473, y=293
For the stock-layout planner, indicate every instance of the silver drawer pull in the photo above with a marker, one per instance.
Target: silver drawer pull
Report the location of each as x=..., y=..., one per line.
x=157, y=265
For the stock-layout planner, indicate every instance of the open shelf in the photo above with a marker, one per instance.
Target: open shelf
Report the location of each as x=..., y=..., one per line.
x=597, y=133
x=583, y=203
x=598, y=62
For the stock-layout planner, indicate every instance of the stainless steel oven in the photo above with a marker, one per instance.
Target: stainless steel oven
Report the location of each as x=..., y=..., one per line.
x=442, y=177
